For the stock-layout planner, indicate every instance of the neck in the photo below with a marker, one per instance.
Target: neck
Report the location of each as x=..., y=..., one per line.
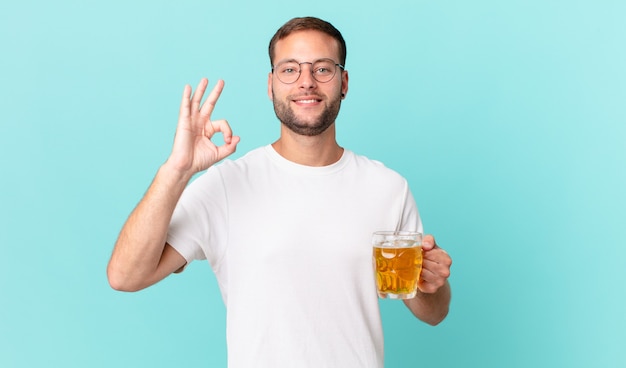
x=319, y=150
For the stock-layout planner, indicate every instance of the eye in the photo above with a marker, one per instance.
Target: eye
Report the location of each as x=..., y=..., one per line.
x=288, y=68
x=324, y=67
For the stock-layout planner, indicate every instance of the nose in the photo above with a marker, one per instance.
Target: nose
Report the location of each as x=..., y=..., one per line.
x=306, y=79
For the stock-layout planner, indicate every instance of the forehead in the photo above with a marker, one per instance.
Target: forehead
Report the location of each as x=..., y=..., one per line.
x=306, y=46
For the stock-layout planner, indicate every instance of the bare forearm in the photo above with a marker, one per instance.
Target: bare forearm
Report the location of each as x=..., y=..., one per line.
x=431, y=308
x=141, y=242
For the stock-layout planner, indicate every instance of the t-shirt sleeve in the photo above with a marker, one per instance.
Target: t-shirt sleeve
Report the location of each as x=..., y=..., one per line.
x=198, y=226
x=410, y=219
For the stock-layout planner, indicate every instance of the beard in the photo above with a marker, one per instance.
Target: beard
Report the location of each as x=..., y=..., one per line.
x=285, y=114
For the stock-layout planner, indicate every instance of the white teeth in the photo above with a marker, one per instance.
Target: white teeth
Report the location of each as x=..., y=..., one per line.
x=307, y=101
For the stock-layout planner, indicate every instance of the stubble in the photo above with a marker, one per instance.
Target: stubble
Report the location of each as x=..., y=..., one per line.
x=286, y=115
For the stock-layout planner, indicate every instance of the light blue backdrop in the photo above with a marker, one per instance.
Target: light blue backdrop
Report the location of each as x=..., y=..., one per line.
x=507, y=117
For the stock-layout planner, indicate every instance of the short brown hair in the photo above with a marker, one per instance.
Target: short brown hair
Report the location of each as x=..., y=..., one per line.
x=308, y=24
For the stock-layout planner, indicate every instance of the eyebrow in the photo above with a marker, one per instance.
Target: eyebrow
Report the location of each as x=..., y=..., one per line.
x=285, y=61
x=299, y=62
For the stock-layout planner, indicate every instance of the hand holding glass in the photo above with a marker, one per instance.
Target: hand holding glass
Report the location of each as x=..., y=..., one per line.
x=397, y=261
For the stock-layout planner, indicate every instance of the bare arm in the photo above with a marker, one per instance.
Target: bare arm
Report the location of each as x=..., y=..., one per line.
x=432, y=302
x=141, y=256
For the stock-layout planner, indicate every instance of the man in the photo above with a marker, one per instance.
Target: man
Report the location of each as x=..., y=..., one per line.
x=287, y=227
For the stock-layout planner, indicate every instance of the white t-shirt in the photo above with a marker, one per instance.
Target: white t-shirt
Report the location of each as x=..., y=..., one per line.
x=291, y=249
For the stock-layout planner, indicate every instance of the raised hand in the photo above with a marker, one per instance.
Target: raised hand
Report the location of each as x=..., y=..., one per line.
x=141, y=256
x=193, y=150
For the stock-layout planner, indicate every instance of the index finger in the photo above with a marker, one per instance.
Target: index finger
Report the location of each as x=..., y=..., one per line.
x=211, y=100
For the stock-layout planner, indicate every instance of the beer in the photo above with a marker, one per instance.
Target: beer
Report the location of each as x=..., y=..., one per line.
x=397, y=268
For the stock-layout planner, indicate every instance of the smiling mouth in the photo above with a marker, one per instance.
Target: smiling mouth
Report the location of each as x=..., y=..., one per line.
x=307, y=100
x=310, y=101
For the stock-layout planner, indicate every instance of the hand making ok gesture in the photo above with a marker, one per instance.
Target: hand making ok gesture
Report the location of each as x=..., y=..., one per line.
x=193, y=150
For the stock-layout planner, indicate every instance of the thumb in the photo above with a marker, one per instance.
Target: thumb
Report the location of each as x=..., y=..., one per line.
x=428, y=243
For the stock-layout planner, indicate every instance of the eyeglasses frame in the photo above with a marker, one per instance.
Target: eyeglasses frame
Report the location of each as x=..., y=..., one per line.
x=312, y=73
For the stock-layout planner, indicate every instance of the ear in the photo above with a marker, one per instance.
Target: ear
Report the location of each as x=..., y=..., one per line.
x=344, y=83
x=270, y=94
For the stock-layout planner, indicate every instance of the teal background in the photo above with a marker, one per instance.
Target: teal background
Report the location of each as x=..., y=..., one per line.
x=507, y=117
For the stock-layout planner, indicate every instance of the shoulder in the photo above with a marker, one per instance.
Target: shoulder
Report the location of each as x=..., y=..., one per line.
x=374, y=174
x=374, y=167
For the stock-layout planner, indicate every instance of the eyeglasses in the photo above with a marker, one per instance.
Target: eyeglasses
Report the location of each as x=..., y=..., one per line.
x=322, y=70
